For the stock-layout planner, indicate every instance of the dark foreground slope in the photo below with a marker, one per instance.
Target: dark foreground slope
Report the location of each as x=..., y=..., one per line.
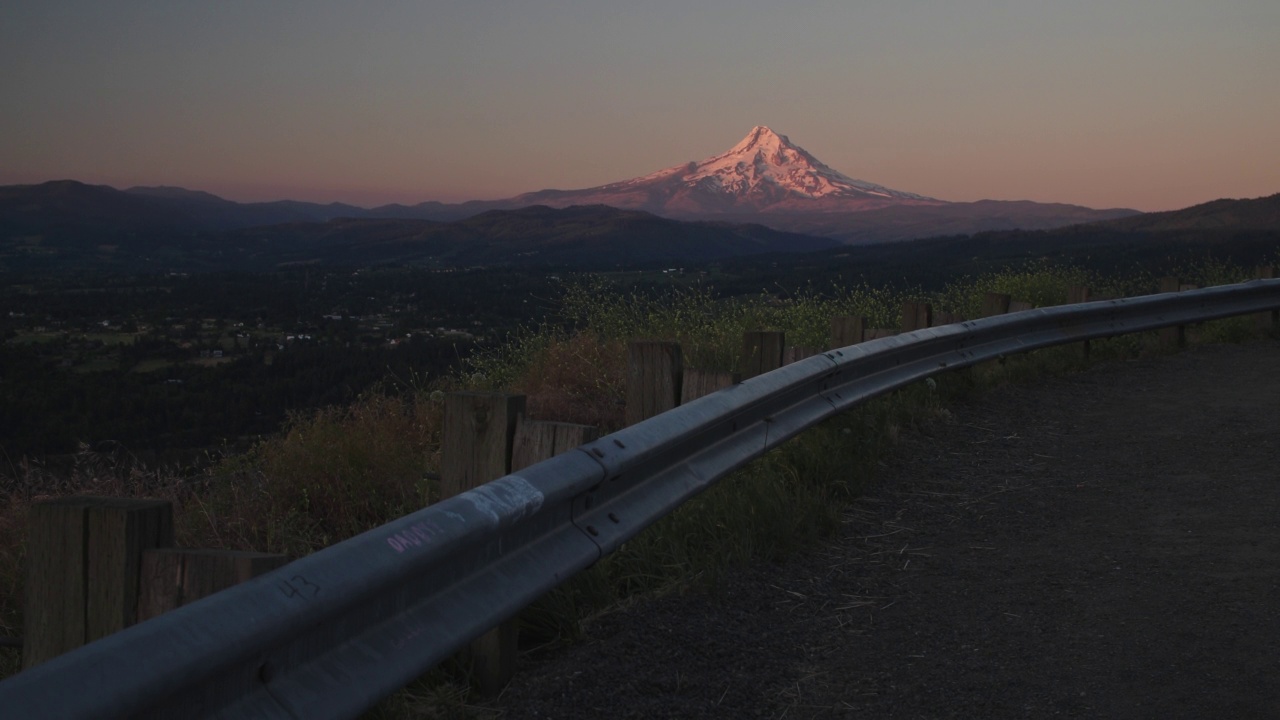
x=1100, y=545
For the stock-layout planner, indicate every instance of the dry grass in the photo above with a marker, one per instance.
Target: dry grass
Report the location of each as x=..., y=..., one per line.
x=580, y=379
x=330, y=475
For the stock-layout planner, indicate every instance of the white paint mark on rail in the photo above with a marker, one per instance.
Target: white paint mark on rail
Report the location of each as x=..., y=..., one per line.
x=505, y=500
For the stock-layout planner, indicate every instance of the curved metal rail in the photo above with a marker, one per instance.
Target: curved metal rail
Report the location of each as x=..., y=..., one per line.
x=331, y=634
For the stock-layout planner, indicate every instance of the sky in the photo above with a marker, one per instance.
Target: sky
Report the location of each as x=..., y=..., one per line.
x=1145, y=104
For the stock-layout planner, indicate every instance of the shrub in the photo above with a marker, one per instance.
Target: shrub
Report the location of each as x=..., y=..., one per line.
x=330, y=475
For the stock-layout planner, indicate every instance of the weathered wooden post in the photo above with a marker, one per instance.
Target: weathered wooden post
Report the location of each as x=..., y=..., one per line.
x=479, y=430
x=83, y=570
x=1077, y=294
x=1266, y=321
x=994, y=303
x=946, y=318
x=538, y=440
x=916, y=315
x=1019, y=306
x=173, y=577
x=761, y=352
x=847, y=330
x=796, y=353
x=1176, y=336
x=924, y=315
x=655, y=371
x=704, y=382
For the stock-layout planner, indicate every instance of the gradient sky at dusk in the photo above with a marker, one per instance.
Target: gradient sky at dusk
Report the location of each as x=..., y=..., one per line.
x=1149, y=104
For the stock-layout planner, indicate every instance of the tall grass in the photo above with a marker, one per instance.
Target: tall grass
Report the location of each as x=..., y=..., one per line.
x=329, y=475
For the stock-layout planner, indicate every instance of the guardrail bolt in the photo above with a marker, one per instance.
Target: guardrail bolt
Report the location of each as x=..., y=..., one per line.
x=592, y=529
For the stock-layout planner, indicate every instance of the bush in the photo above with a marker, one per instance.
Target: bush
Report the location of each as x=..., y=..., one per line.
x=330, y=475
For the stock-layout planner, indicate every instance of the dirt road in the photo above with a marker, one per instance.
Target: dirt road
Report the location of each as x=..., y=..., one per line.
x=1100, y=545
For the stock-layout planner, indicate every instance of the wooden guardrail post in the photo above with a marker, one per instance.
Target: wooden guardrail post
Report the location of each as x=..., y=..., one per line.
x=847, y=330
x=704, y=382
x=916, y=315
x=1266, y=320
x=1176, y=336
x=654, y=373
x=1077, y=294
x=173, y=577
x=924, y=315
x=83, y=569
x=761, y=352
x=479, y=430
x=538, y=440
x=994, y=303
x=947, y=318
x=796, y=353
x=1019, y=306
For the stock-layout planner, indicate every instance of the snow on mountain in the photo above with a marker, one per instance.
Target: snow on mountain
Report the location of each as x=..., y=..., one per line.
x=765, y=172
x=767, y=162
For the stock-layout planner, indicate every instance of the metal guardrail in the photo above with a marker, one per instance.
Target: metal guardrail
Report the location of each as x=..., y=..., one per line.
x=331, y=634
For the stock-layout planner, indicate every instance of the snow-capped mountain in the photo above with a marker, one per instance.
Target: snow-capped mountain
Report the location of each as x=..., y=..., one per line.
x=763, y=173
x=765, y=179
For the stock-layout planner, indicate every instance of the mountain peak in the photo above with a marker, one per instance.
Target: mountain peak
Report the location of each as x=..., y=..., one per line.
x=768, y=166
x=762, y=137
x=764, y=172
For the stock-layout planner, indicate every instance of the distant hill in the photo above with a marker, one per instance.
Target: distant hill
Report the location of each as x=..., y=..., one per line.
x=913, y=222
x=1258, y=214
x=138, y=231
x=1245, y=232
x=581, y=237
x=66, y=208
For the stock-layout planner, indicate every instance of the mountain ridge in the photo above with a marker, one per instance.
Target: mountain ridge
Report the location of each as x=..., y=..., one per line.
x=765, y=179
x=578, y=236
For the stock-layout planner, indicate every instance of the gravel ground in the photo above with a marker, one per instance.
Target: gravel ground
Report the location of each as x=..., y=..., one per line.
x=1105, y=544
